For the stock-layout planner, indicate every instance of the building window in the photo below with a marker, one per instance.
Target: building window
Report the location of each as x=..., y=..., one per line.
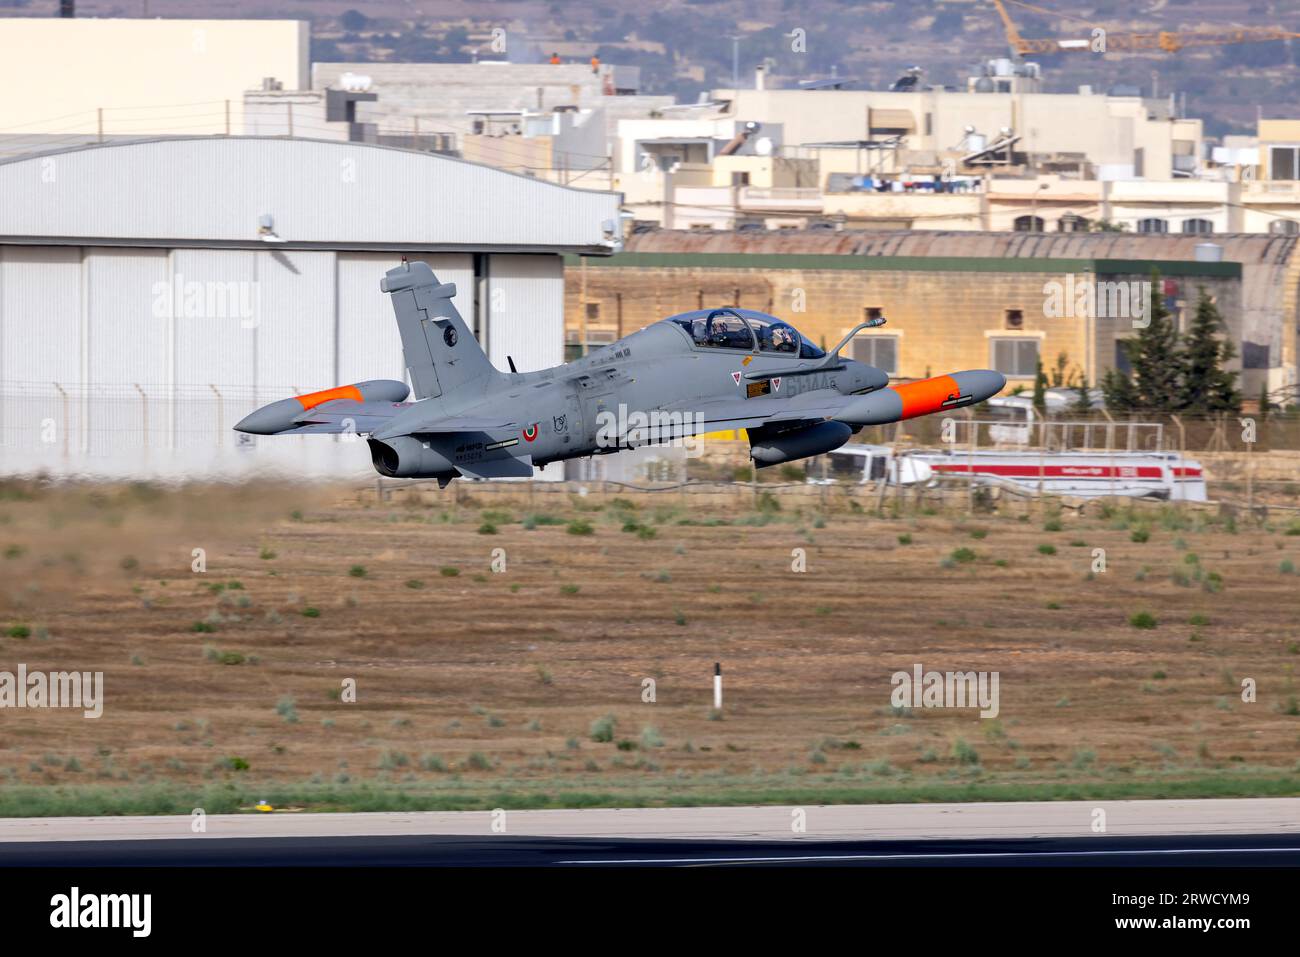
x=872, y=312
x=1201, y=227
x=1254, y=355
x=1284, y=227
x=1072, y=223
x=1122, y=363
x=1285, y=162
x=1015, y=319
x=878, y=351
x=1029, y=224
x=593, y=312
x=1015, y=358
x=1152, y=226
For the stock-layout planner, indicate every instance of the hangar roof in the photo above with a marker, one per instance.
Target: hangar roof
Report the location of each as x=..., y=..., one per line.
x=215, y=191
x=1245, y=248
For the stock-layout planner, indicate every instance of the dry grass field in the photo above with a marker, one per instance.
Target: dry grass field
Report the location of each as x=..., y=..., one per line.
x=524, y=686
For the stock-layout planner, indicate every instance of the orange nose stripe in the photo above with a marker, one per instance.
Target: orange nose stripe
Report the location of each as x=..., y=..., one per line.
x=927, y=395
x=313, y=399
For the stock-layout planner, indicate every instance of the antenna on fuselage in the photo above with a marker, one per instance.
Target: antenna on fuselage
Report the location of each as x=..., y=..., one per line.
x=511, y=360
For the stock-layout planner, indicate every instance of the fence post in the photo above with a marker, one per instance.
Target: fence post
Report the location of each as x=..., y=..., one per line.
x=144, y=417
x=972, y=440
x=1250, y=477
x=66, y=421
x=221, y=412
x=1182, y=452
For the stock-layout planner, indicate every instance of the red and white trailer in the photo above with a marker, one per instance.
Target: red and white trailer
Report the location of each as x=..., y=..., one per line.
x=1166, y=475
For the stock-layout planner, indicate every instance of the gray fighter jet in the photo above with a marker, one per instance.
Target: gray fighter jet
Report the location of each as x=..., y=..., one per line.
x=697, y=372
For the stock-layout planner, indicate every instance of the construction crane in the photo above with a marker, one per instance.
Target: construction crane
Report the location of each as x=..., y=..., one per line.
x=1166, y=40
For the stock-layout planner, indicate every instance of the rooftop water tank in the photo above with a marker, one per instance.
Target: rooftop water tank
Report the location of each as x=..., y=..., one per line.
x=1209, y=253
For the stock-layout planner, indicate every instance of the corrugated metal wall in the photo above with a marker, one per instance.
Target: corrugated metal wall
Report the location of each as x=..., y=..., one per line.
x=526, y=311
x=294, y=322
x=40, y=343
x=209, y=298
x=126, y=344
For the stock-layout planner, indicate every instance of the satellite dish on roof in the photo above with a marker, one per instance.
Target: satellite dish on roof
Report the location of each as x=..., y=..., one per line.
x=763, y=146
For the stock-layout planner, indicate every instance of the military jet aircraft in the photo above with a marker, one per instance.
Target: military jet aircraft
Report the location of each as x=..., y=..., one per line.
x=697, y=372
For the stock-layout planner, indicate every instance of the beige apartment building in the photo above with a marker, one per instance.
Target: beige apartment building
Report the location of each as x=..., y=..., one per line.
x=142, y=77
x=1086, y=133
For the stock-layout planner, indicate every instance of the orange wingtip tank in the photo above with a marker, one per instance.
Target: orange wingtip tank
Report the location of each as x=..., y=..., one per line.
x=928, y=395
x=313, y=399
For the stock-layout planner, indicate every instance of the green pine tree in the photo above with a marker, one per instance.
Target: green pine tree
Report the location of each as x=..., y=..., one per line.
x=1082, y=401
x=1062, y=375
x=1157, y=363
x=1207, y=386
x=1118, y=391
x=1040, y=388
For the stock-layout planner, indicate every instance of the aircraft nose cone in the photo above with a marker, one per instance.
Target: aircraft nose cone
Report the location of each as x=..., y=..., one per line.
x=270, y=419
x=255, y=423
x=980, y=383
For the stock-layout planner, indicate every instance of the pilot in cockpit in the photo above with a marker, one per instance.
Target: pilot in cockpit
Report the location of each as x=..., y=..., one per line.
x=783, y=339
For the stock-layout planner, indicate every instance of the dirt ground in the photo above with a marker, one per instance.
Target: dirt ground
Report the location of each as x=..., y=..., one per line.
x=471, y=681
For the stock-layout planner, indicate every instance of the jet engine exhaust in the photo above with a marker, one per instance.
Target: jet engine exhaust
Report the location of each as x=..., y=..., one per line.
x=408, y=457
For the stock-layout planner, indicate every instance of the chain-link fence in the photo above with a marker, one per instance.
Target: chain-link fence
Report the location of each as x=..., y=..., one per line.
x=150, y=430
x=1229, y=432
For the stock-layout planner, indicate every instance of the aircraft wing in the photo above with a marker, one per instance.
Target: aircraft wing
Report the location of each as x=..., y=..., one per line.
x=342, y=415
x=720, y=414
x=348, y=415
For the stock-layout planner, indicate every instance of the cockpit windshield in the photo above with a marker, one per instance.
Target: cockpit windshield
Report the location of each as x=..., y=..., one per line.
x=732, y=328
x=717, y=329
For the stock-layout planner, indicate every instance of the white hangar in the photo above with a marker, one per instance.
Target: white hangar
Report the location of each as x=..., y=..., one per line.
x=152, y=292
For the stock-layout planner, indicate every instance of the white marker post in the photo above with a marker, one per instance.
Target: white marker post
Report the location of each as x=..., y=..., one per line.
x=717, y=686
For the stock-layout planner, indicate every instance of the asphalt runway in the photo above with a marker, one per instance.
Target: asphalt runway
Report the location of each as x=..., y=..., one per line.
x=838, y=822
x=507, y=851
x=1248, y=832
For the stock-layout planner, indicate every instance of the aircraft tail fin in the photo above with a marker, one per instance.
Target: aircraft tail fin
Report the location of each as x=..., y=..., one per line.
x=441, y=352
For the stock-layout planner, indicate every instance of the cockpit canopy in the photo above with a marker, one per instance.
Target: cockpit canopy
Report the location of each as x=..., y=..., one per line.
x=746, y=330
